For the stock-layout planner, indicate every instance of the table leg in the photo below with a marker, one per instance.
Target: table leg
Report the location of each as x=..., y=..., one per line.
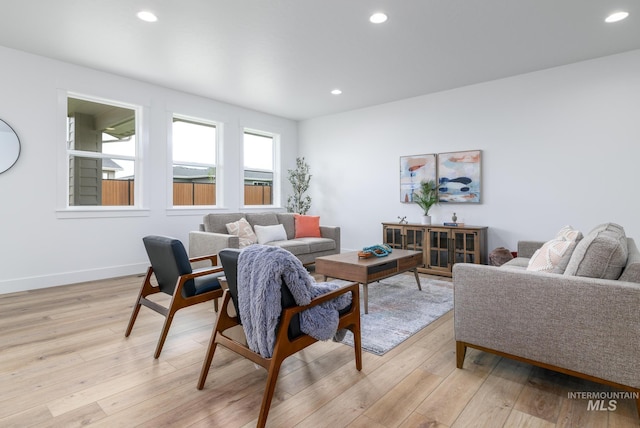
x=365, y=293
x=415, y=272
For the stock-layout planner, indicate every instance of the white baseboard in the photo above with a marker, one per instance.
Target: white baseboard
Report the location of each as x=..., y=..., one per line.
x=55, y=279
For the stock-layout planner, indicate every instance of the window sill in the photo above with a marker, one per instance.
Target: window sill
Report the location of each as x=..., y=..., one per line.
x=193, y=210
x=100, y=212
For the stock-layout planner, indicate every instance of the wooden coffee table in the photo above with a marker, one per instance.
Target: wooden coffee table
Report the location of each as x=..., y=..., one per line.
x=349, y=267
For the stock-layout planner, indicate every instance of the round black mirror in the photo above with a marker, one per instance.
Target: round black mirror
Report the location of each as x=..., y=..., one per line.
x=9, y=146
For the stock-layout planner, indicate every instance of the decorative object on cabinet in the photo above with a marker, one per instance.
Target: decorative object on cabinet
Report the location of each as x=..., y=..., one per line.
x=413, y=170
x=9, y=146
x=459, y=176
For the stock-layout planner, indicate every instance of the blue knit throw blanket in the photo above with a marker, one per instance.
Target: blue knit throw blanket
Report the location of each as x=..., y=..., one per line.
x=261, y=270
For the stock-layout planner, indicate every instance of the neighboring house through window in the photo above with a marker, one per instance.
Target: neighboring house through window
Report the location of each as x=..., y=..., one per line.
x=194, y=148
x=101, y=152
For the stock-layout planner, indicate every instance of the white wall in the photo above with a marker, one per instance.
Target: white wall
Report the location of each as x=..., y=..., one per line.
x=560, y=146
x=40, y=247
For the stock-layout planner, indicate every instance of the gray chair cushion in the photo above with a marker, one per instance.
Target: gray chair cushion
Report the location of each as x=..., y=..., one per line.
x=169, y=261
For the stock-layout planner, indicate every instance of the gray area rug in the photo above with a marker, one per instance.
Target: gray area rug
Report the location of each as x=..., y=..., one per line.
x=397, y=310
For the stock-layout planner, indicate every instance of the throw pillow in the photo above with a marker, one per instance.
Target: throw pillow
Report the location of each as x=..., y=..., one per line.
x=601, y=254
x=270, y=233
x=242, y=229
x=307, y=226
x=569, y=233
x=631, y=271
x=552, y=257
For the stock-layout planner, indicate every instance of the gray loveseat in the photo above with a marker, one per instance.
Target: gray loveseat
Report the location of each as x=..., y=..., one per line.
x=213, y=235
x=575, y=322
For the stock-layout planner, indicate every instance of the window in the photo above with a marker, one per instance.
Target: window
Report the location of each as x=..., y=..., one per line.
x=194, y=162
x=259, y=149
x=101, y=151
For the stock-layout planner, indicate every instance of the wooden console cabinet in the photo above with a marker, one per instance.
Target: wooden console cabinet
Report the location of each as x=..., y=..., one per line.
x=441, y=246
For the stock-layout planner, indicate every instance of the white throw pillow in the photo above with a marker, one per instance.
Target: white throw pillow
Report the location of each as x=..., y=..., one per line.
x=242, y=229
x=270, y=233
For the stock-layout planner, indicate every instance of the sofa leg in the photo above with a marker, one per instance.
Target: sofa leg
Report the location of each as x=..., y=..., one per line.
x=461, y=351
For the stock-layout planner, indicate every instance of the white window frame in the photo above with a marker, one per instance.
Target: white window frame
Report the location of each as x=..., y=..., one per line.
x=171, y=162
x=276, y=196
x=64, y=210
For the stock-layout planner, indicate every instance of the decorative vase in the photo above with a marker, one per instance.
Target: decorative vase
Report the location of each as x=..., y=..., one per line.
x=426, y=219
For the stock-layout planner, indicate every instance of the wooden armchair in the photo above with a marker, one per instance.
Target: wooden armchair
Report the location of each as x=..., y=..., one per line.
x=289, y=337
x=172, y=269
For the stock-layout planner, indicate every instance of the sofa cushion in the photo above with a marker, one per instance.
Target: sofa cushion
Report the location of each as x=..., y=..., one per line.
x=217, y=223
x=262, y=219
x=270, y=233
x=294, y=246
x=242, y=229
x=288, y=221
x=602, y=253
x=318, y=244
x=631, y=272
x=518, y=262
x=307, y=226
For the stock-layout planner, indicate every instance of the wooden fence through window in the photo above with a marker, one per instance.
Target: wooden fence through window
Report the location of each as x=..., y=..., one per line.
x=120, y=192
x=117, y=192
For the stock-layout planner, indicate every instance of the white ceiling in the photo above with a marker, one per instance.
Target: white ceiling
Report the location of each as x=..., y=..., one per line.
x=285, y=56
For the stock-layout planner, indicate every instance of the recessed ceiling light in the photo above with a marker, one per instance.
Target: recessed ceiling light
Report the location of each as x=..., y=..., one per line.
x=336, y=92
x=615, y=17
x=378, y=18
x=147, y=16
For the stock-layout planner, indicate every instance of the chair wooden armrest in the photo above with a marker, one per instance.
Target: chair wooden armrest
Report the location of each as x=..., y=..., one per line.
x=285, y=345
x=203, y=272
x=212, y=257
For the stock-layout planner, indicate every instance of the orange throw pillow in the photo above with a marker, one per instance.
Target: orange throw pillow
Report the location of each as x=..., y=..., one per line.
x=307, y=226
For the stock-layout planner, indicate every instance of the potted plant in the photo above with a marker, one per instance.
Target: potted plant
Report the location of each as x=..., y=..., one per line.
x=426, y=196
x=299, y=179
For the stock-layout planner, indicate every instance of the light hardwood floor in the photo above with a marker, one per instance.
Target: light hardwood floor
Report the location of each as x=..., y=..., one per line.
x=64, y=362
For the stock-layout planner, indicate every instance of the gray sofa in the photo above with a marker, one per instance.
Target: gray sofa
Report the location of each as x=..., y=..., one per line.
x=213, y=236
x=575, y=322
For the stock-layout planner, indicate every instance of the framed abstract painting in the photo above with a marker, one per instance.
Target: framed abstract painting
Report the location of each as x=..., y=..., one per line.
x=459, y=176
x=413, y=170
